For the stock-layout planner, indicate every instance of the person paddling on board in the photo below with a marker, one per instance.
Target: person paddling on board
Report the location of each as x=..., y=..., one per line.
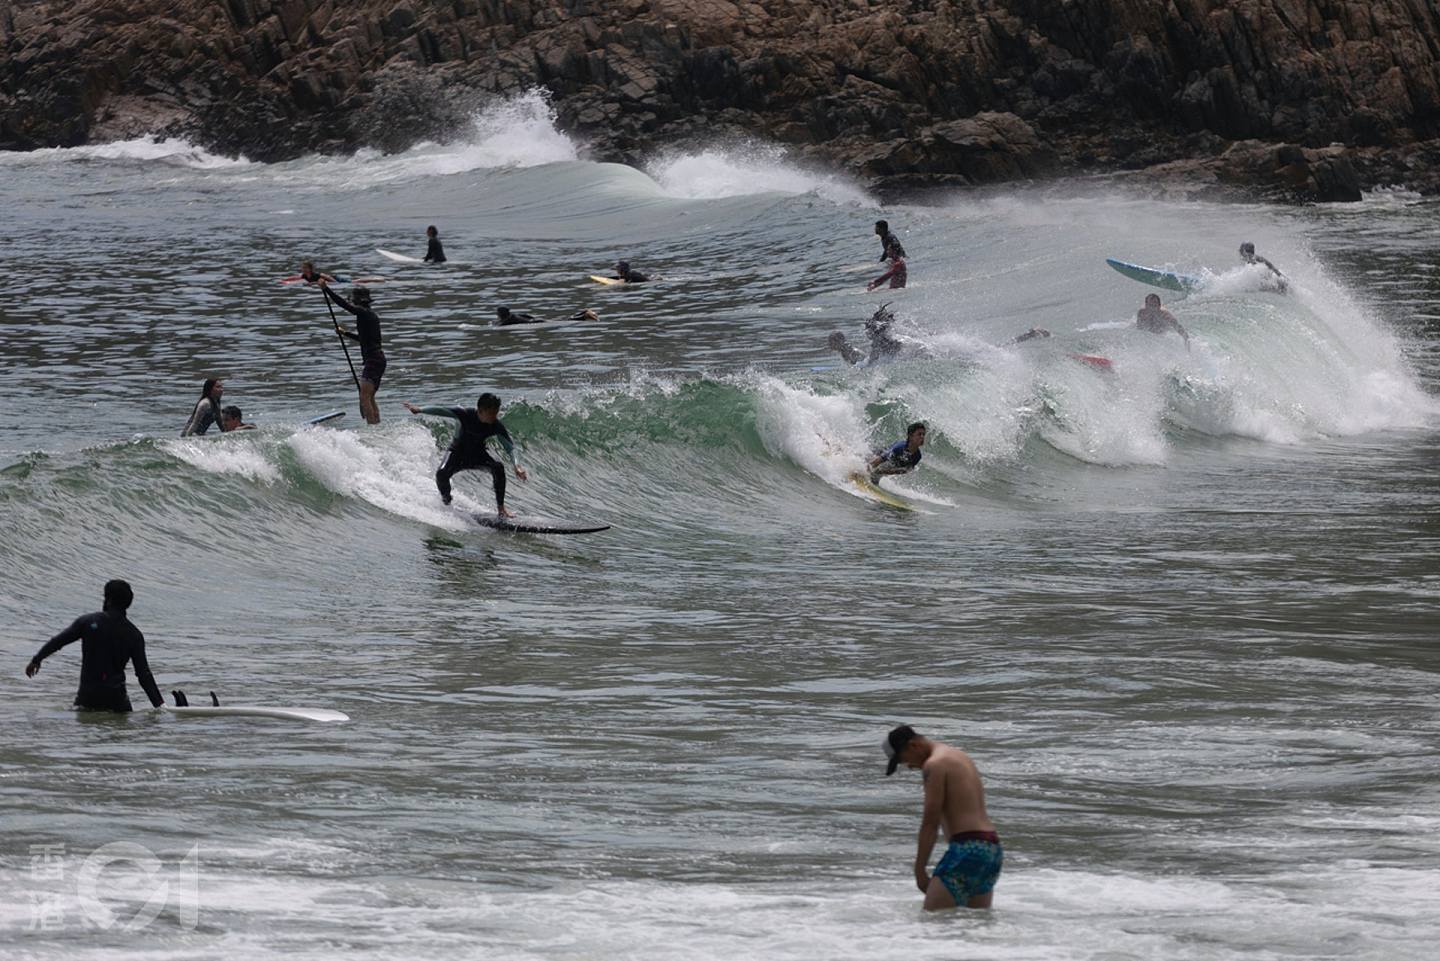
x=505, y=317
x=468, y=450
x=1158, y=320
x=207, y=409
x=900, y=457
x=896, y=275
x=310, y=275
x=1247, y=254
x=625, y=274
x=231, y=419
x=887, y=240
x=108, y=642
x=434, y=253
x=954, y=804
x=367, y=325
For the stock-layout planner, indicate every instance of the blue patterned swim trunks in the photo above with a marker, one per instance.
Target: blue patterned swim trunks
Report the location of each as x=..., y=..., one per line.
x=971, y=865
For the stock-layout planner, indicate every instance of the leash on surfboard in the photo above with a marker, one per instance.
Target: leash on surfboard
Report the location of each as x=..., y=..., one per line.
x=343, y=346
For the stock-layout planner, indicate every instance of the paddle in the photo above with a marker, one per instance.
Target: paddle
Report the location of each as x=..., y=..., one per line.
x=343, y=346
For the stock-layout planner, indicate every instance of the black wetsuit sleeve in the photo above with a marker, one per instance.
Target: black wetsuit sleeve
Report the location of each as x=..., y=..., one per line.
x=506, y=443
x=142, y=671
x=340, y=302
x=434, y=253
x=70, y=635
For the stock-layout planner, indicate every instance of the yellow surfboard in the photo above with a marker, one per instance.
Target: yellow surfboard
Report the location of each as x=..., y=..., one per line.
x=607, y=281
x=879, y=494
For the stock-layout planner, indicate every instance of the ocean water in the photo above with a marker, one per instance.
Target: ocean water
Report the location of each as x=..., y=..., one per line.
x=1182, y=612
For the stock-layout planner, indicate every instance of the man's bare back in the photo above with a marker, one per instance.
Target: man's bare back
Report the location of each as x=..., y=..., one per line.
x=963, y=804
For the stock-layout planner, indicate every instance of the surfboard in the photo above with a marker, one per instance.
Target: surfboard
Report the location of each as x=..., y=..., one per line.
x=879, y=494
x=607, y=281
x=526, y=527
x=1155, y=277
x=256, y=710
x=324, y=417
x=398, y=258
x=1094, y=360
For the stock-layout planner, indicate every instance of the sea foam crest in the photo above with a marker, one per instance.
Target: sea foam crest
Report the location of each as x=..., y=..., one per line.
x=746, y=169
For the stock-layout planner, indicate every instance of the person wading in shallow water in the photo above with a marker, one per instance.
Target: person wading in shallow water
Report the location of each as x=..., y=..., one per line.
x=954, y=803
x=108, y=642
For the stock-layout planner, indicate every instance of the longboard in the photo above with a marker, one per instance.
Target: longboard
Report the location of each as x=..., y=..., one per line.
x=607, y=281
x=254, y=710
x=879, y=494
x=324, y=417
x=398, y=258
x=1155, y=277
x=521, y=527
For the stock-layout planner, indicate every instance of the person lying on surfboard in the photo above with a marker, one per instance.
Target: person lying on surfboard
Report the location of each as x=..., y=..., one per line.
x=896, y=274
x=309, y=275
x=232, y=419
x=624, y=274
x=107, y=642
x=1247, y=254
x=434, y=253
x=900, y=457
x=468, y=450
x=505, y=317
x=1158, y=320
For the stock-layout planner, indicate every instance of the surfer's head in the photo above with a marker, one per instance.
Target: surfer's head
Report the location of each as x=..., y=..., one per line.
x=882, y=227
x=915, y=434
x=307, y=267
x=503, y=313
x=118, y=595
x=904, y=746
x=212, y=387
x=488, y=404
x=1247, y=250
x=230, y=418
x=1152, y=301
x=622, y=267
x=360, y=295
x=430, y=231
x=879, y=321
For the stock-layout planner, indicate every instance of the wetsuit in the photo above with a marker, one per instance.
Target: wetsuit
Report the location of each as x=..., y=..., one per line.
x=205, y=414
x=434, y=253
x=890, y=240
x=108, y=641
x=367, y=323
x=510, y=317
x=632, y=277
x=898, y=455
x=468, y=452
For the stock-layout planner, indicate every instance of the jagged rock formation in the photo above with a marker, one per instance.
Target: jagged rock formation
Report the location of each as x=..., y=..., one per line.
x=928, y=91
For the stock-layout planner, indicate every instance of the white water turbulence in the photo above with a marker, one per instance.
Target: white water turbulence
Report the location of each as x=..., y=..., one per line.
x=744, y=169
x=164, y=151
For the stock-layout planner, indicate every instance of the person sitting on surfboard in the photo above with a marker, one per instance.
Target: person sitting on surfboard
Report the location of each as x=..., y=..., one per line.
x=434, y=253
x=887, y=239
x=231, y=419
x=896, y=274
x=624, y=274
x=1247, y=254
x=207, y=409
x=505, y=317
x=367, y=325
x=468, y=450
x=900, y=457
x=1158, y=320
x=107, y=642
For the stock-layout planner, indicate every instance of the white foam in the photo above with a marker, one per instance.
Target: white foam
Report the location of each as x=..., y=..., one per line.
x=744, y=170
x=823, y=433
x=151, y=149
x=224, y=454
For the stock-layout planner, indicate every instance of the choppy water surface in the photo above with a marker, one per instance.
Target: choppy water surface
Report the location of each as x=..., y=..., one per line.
x=1183, y=614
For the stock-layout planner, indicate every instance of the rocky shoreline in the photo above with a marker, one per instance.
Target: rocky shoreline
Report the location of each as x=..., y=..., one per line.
x=1288, y=99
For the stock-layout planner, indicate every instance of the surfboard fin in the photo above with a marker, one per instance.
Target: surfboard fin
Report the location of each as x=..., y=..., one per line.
x=180, y=699
x=214, y=701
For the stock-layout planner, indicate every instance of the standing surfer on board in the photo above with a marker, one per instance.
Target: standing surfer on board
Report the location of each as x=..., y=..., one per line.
x=108, y=641
x=1158, y=320
x=468, y=451
x=434, y=253
x=954, y=803
x=207, y=408
x=900, y=457
x=367, y=325
x=1247, y=254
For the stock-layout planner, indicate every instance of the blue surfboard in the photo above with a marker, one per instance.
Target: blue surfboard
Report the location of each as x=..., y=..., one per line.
x=1155, y=277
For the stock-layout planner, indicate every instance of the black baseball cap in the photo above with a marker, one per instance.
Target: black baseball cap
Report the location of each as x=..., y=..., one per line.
x=894, y=743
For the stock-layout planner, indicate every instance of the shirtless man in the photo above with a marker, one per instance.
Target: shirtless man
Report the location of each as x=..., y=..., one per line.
x=1158, y=320
x=954, y=800
x=1247, y=254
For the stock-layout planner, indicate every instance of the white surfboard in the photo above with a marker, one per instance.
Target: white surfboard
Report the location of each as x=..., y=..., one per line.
x=398, y=258
x=255, y=710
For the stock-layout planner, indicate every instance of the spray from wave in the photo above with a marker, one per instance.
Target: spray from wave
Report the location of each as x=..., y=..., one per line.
x=140, y=151
x=746, y=169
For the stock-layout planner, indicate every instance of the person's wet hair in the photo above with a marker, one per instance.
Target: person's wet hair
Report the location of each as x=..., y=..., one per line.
x=882, y=225
x=488, y=401
x=502, y=312
x=911, y=429
x=1152, y=300
x=118, y=595
x=430, y=231
x=208, y=386
x=231, y=411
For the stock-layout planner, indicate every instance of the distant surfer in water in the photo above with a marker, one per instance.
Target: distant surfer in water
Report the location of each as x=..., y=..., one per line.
x=232, y=419
x=1158, y=320
x=207, y=409
x=1034, y=333
x=1247, y=254
x=468, y=451
x=108, y=642
x=505, y=317
x=367, y=325
x=896, y=274
x=954, y=802
x=900, y=457
x=625, y=274
x=434, y=253
x=887, y=240
x=310, y=275
x=884, y=345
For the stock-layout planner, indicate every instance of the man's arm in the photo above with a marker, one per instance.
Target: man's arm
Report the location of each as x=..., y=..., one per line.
x=507, y=445
x=929, y=825
x=1185, y=334
x=883, y=277
x=432, y=411
x=142, y=672
x=340, y=302
x=70, y=635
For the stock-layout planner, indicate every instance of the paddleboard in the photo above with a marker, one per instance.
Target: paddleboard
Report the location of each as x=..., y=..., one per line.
x=324, y=417
x=879, y=494
x=255, y=710
x=526, y=527
x=1155, y=277
x=607, y=281
x=398, y=258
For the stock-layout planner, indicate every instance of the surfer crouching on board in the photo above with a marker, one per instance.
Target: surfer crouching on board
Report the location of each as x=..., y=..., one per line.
x=954, y=803
x=207, y=408
x=1247, y=254
x=468, y=451
x=1158, y=320
x=434, y=253
x=899, y=458
x=108, y=642
x=367, y=323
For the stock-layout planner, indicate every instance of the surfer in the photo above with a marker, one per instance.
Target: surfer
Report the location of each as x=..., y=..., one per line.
x=900, y=457
x=108, y=641
x=367, y=323
x=896, y=274
x=434, y=253
x=1158, y=320
x=1034, y=333
x=505, y=317
x=1247, y=254
x=624, y=274
x=310, y=275
x=887, y=240
x=468, y=451
x=884, y=345
x=207, y=408
x=954, y=802
x=231, y=419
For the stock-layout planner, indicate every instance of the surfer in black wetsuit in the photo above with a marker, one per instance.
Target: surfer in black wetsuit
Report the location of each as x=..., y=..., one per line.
x=434, y=253
x=888, y=240
x=624, y=273
x=1247, y=254
x=468, y=451
x=505, y=317
x=108, y=642
x=207, y=409
x=367, y=323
